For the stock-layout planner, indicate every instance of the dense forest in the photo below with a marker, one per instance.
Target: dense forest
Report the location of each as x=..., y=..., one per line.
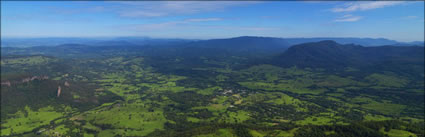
x=261, y=87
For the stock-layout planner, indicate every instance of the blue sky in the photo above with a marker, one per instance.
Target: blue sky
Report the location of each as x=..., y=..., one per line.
x=398, y=20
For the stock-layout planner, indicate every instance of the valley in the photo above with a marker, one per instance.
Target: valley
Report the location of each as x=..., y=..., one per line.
x=311, y=89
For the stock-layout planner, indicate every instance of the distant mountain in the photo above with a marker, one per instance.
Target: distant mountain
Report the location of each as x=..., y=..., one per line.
x=272, y=43
x=414, y=43
x=154, y=41
x=359, y=41
x=247, y=46
x=119, y=41
x=30, y=42
x=252, y=41
x=330, y=54
x=244, y=43
x=419, y=43
x=112, y=43
x=139, y=41
x=241, y=45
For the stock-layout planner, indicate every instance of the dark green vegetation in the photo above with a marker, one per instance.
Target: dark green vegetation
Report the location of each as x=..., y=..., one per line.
x=196, y=89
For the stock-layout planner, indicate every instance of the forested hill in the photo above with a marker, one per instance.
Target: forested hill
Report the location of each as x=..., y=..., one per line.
x=213, y=89
x=329, y=54
x=244, y=44
x=360, y=41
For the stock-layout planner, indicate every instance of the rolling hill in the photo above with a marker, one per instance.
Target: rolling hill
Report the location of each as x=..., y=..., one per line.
x=330, y=54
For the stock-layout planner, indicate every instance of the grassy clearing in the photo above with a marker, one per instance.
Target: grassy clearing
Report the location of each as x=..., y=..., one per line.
x=221, y=78
x=236, y=117
x=315, y=120
x=268, y=77
x=220, y=133
x=385, y=108
x=89, y=126
x=217, y=109
x=361, y=100
x=289, y=85
x=383, y=80
x=169, y=86
x=276, y=98
x=336, y=94
x=397, y=133
x=289, y=133
x=255, y=133
x=372, y=117
x=329, y=132
x=34, y=60
x=412, y=119
x=139, y=117
x=88, y=135
x=337, y=81
x=281, y=99
x=27, y=122
x=120, y=83
x=193, y=119
x=274, y=133
x=209, y=91
x=57, y=131
x=121, y=89
x=111, y=132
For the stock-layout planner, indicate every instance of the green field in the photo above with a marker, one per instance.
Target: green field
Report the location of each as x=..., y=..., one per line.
x=146, y=96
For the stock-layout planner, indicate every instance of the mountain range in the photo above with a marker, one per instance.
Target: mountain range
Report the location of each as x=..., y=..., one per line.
x=92, y=87
x=248, y=40
x=332, y=54
x=256, y=50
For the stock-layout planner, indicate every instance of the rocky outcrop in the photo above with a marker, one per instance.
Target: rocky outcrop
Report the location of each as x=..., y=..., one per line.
x=7, y=83
x=34, y=78
x=59, y=91
x=24, y=80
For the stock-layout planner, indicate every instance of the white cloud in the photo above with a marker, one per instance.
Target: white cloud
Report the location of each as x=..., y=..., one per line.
x=348, y=18
x=166, y=8
x=362, y=6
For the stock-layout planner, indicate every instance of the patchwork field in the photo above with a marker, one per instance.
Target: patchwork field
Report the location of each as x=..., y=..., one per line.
x=135, y=96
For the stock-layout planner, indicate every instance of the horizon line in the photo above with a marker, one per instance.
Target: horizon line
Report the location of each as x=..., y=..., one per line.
x=99, y=37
